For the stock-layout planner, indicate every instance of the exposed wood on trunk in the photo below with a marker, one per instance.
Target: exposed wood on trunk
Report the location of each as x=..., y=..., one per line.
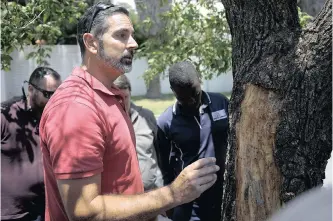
x=258, y=178
x=272, y=52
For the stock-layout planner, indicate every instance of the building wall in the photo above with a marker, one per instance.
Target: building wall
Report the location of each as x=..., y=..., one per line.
x=65, y=57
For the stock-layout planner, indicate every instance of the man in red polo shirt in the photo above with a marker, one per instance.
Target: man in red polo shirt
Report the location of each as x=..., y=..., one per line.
x=87, y=139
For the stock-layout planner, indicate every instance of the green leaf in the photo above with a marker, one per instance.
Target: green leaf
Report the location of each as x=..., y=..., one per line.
x=31, y=55
x=38, y=20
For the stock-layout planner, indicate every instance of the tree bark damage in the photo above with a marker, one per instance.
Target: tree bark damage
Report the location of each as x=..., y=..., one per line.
x=281, y=106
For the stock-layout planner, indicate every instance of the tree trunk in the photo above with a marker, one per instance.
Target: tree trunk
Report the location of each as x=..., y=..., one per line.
x=152, y=9
x=280, y=109
x=154, y=88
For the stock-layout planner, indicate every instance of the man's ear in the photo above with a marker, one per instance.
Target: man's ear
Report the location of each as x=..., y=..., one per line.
x=30, y=88
x=90, y=43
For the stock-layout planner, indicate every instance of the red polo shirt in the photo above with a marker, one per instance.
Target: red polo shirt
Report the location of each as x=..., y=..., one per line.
x=85, y=131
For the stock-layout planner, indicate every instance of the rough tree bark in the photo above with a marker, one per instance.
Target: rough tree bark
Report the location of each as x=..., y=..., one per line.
x=281, y=106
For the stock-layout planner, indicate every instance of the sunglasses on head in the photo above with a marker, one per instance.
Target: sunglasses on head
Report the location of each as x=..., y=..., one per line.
x=99, y=7
x=47, y=94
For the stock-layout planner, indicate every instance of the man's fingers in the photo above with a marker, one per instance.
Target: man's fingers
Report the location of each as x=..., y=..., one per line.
x=202, y=163
x=206, y=179
x=206, y=171
x=207, y=185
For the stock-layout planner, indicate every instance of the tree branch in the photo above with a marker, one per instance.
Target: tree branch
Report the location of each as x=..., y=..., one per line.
x=33, y=20
x=319, y=32
x=309, y=91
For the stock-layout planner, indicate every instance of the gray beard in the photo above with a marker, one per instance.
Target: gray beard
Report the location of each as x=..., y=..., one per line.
x=112, y=62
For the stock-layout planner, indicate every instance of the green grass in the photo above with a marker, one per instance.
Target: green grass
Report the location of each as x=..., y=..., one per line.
x=158, y=106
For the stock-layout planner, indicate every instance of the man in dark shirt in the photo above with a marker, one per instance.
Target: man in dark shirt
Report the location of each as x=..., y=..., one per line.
x=195, y=127
x=22, y=184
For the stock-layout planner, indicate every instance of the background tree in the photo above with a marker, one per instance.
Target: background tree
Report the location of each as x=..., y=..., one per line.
x=35, y=22
x=280, y=108
x=150, y=24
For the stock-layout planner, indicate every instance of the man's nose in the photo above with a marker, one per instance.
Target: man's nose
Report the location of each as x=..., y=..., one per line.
x=132, y=44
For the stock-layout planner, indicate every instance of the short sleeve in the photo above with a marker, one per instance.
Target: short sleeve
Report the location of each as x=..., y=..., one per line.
x=73, y=133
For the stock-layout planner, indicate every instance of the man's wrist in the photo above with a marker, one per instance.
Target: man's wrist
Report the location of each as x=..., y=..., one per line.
x=174, y=195
x=170, y=196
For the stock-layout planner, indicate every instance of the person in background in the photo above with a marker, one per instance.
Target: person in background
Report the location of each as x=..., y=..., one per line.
x=22, y=184
x=145, y=129
x=91, y=170
x=195, y=127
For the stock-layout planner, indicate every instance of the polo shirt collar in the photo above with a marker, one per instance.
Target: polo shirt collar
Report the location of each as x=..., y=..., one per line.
x=134, y=111
x=205, y=99
x=94, y=83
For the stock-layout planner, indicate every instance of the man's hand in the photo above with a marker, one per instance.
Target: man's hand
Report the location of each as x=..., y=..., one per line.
x=194, y=180
x=82, y=198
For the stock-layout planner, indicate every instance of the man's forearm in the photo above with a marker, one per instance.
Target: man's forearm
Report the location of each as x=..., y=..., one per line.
x=82, y=201
x=138, y=207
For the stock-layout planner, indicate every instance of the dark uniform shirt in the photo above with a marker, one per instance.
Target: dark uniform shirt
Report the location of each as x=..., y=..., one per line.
x=22, y=185
x=184, y=138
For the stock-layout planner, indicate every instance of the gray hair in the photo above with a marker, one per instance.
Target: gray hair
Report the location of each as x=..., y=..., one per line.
x=122, y=82
x=99, y=25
